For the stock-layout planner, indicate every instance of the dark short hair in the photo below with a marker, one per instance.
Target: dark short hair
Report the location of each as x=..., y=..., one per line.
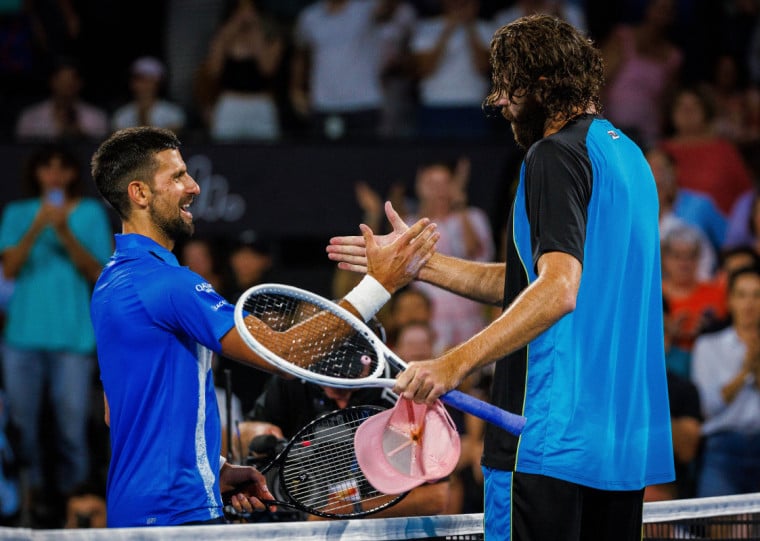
x=45, y=154
x=549, y=59
x=743, y=249
x=127, y=155
x=738, y=273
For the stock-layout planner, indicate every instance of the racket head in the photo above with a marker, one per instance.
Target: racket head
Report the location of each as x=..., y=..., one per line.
x=331, y=346
x=319, y=473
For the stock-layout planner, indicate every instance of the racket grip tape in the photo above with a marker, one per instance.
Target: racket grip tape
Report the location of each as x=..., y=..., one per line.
x=510, y=422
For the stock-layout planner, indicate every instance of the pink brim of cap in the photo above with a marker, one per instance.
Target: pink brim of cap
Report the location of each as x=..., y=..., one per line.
x=408, y=445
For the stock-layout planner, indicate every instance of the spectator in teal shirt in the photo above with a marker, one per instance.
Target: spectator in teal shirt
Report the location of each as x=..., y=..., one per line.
x=54, y=244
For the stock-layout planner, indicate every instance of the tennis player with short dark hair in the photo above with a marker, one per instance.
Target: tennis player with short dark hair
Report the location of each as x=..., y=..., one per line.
x=157, y=325
x=579, y=345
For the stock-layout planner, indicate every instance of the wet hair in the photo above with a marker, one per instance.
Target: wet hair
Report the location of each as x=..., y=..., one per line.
x=129, y=154
x=45, y=154
x=546, y=58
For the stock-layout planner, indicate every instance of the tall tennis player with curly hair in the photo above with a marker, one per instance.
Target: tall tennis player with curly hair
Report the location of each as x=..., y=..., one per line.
x=578, y=348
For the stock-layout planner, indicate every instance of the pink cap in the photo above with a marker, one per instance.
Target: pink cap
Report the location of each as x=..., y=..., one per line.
x=406, y=446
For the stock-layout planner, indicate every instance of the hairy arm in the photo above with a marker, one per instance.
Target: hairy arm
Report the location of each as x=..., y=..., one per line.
x=536, y=309
x=482, y=282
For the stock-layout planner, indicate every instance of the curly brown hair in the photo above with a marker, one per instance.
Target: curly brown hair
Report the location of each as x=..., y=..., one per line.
x=543, y=56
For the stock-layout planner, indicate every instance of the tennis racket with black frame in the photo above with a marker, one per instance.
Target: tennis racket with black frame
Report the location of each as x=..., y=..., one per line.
x=317, y=471
x=317, y=340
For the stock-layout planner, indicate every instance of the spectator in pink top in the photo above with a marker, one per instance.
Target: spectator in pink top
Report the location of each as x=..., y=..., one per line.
x=641, y=64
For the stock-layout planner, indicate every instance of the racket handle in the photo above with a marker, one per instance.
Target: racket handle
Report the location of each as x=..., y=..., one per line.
x=510, y=422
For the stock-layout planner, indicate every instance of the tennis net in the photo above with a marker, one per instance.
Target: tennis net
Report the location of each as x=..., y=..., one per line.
x=725, y=518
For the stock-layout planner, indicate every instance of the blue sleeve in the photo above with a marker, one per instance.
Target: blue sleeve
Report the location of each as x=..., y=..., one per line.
x=183, y=302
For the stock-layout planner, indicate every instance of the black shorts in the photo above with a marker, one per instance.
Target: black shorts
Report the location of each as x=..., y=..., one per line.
x=527, y=507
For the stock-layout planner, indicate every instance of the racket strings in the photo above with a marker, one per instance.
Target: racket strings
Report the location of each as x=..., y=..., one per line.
x=321, y=472
x=311, y=337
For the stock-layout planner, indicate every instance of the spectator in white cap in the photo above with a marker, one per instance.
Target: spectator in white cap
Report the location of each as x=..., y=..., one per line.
x=147, y=108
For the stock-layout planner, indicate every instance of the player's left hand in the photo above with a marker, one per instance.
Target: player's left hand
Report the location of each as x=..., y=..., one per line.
x=426, y=381
x=250, y=488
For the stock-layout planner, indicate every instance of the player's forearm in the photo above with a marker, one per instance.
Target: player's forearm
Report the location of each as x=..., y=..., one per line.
x=482, y=282
x=537, y=308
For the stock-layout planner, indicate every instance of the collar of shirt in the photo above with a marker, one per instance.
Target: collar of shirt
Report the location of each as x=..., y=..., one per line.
x=134, y=244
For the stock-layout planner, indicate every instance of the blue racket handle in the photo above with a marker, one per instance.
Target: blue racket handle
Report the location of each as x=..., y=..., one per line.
x=510, y=422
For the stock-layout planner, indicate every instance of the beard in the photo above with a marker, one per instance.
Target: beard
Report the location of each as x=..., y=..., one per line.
x=529, y=124
x=174, y=228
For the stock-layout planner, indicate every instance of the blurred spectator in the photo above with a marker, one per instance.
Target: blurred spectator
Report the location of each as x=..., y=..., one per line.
x=465, y=232
x=726, y=370
x=704, y=162
x=186, y=33
x=695, y=304
x=244, y=59
x=147, y=108
x=63, y=114
x=641, y=64
x=738, y=231
x=414, y=341
x=733, y=259
x=251, y=262
x=54, y=245
x=10, y=497
x=702, y=214
x=337, y=65
x=397, y=69
x=677, y=359
x=406, y=307
x=86, y=507
x=451, y=53
x=737, y=105
x=203, y=256
x=567, y=11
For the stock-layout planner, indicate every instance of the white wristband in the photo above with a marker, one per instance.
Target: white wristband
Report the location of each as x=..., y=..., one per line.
x=368, y=297
x=222, y=462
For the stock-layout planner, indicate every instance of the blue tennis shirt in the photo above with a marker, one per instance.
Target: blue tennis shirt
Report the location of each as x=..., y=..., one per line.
x=156, y=326
x=592, y=386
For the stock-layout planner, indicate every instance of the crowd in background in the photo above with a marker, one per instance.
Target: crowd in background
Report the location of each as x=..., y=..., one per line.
x=683, y=80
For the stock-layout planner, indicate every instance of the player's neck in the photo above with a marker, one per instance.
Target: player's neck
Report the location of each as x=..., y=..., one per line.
x=149, y=230
x=555, y=124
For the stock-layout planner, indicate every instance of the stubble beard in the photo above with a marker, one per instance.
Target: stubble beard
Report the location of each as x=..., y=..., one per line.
x=175, y=228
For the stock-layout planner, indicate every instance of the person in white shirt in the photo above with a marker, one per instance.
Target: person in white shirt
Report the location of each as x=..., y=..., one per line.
x=725, y=367
x=451, y=56
x=147, y=108
x=63, y=114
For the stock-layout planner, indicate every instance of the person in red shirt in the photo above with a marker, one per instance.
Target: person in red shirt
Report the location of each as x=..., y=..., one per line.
x=705, y=162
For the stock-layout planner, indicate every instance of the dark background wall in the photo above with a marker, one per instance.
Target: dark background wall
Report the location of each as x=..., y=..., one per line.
x=300, y=194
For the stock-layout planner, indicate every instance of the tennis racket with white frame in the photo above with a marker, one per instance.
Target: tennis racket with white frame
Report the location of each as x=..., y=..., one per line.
x=315, y=339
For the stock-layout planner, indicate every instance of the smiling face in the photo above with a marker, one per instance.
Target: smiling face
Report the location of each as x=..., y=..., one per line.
x=173, y=192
